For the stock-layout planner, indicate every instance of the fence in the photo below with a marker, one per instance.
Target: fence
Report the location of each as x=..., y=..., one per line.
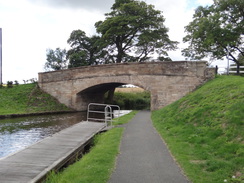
x=234, y=71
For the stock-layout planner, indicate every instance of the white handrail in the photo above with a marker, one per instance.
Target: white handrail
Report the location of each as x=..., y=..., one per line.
x=107, y=111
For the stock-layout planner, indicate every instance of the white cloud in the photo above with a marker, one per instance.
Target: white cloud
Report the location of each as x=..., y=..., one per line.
x=205, y=2
x=177, y=15
x=103, y=5
x=28, y=30
x=31, y=26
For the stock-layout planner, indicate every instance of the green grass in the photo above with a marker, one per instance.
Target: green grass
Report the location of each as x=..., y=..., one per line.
x=27, y=98
x=97, y=165
x=204, y=131
x=132, y=101
x=125, y=119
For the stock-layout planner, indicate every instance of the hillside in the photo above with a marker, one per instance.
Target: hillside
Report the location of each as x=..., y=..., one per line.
x=27, y=98
x=205, y=131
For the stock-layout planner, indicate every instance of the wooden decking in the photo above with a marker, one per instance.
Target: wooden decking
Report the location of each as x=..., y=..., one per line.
x=33, y=163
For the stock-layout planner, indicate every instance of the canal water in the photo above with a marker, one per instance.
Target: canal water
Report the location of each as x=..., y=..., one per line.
x=18, y=133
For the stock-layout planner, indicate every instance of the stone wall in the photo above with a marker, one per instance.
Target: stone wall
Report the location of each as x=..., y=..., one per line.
x=166, y=81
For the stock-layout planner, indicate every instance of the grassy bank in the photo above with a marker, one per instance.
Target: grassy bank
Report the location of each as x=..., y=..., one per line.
x=204, y=131
x=97, y=165
x=27, y=98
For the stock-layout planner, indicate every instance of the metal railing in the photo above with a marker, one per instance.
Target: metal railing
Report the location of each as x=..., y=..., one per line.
x=106, y=112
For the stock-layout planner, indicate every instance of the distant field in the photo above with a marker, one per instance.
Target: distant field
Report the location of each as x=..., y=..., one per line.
x=129, y=90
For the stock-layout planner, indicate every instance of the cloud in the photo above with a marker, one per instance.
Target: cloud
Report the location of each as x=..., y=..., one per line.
x=31, y=26
x=101, y=5
x=29, y=29
x=205, y=2
x=177, y=15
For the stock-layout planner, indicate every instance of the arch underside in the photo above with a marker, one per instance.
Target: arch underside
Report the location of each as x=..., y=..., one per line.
x=163, y=89
x=96, y=94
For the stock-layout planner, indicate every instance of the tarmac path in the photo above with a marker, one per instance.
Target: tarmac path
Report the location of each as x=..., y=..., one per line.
x=144, y=158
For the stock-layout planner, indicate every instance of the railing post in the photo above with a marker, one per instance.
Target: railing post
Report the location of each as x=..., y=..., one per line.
x=108, y=113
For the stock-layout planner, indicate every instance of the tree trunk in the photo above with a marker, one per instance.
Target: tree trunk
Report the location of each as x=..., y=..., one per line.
x=119, y=49
x=110, y=95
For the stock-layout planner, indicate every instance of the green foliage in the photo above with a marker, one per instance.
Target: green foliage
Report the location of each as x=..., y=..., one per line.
x=204, y=130
x=10, y=84
x=85, y=50
x=132, y=32
x=16, y=82
x=132, y=101
x=134, y=27
x=216, y=30
x=27, y=98
x=56, y=59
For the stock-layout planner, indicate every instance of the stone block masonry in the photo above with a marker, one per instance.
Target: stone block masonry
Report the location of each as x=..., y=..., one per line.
x=166, y=81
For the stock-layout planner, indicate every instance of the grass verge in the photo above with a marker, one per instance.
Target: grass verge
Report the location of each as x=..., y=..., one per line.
x=27, y=98
x=204, y=131
x=125, y=118
x=97, y=165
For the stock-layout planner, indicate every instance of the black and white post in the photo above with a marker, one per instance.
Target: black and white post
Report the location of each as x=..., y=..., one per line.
x=1, y=74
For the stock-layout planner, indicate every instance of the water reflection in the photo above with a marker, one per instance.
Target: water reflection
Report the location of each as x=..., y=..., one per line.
x=18, y=133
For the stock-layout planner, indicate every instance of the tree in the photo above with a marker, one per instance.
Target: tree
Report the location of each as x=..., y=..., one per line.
x=134, y=31
x=85, y=50
x=216, y=31
x=56, y=59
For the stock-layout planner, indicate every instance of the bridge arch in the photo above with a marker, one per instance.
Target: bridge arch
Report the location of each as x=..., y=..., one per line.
x=166, y=81
x=95, y=90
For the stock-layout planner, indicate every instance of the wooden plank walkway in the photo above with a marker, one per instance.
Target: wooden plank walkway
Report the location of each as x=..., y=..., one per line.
x=33, y=163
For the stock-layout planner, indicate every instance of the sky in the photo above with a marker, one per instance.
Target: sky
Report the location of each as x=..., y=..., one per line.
x=30, y=27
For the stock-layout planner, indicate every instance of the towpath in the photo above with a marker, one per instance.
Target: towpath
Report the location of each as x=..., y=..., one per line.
x=144, y=158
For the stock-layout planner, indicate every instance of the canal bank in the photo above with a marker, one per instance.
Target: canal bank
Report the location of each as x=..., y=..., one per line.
x=33, y=163
x=35, y=114
x=19, y=133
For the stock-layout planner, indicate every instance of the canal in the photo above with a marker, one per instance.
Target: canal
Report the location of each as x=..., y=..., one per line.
x=18, y=133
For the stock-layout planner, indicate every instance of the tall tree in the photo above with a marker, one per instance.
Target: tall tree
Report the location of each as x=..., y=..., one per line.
x=134, y=31
x=217, y=31
x=56, y=59
x=85, y=50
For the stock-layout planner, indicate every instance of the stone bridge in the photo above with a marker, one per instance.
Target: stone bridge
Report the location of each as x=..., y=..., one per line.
x=166, y=81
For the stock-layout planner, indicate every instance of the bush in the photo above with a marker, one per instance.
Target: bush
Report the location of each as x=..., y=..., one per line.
x=10, y=84
x=132, y=101
x=16, y=82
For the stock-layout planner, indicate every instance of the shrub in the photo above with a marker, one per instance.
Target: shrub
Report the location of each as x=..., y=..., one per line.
x=16, y=82
x=132, y=101
x=10, y=84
